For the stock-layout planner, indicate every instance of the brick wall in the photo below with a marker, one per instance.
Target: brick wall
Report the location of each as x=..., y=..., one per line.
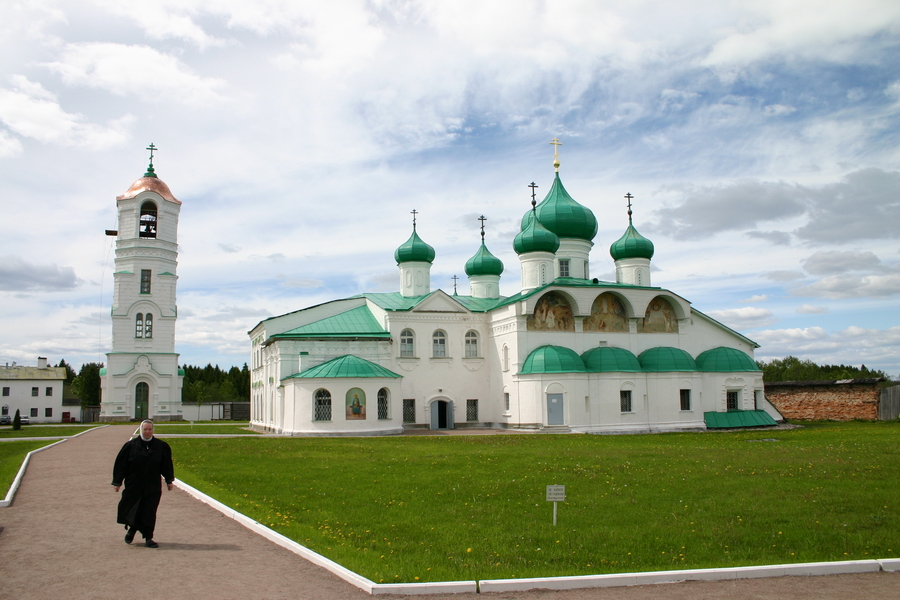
x=836, y=401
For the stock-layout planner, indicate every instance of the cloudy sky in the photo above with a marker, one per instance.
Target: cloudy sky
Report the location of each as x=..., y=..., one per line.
x=758, y=137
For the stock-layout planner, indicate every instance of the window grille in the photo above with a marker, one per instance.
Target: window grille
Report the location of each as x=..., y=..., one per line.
x=145, y=281
x=625, y=401
x=471, y=344
x=139, y=325
x=685, y=399
x=409, y=410
x=48, y=412
x=383, y=403
x=323, y=406
x=731, y=400
x=33, y=412
x=563, y=267
x=148, y=325
x=506, y=401
x=48, y=391
x=407, y=343
x=471, y=410
x=34, y=392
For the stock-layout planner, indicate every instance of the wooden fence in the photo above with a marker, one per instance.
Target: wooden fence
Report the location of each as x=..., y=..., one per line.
x=889, y=404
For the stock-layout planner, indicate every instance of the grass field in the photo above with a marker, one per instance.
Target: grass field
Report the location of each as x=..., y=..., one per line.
x=12, y=454
x=215, y=428
x=423, y=508
x=43, y=431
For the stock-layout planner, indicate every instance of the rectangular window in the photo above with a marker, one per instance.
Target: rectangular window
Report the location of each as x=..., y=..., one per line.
x=685, y=399
x=731, y=399
x=33, y=412
x=34, y=392
x=563, y=267
x=409, y=410
x=625, y=401
x=587, y=274
x=506, y=401
x=145, y=281
x=471, y=410
x=48, y=412
x=6, y=391
x=5, y=410
x=48, y=391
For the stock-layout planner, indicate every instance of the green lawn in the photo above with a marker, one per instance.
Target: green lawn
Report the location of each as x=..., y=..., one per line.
x=44, y=431
x=423, y=508
x=216, y=428
x=11, y=456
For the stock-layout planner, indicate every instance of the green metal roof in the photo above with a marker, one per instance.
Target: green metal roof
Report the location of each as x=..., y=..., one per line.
x=606, y=359
x=552, y=359
x=631, y=245
x=484, y=263
x=725, y=360
x=414, y=250
x=565, y=217
x=665, y=358
x=357, y=322
x=348, y=366
x=534, y=237
x=738, y=418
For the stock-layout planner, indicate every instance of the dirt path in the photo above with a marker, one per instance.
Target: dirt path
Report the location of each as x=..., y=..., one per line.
x=59, y=539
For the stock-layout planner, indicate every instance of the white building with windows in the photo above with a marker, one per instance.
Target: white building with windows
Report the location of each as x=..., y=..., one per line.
x=566, y=353
x=142, y=378
x=36, y=392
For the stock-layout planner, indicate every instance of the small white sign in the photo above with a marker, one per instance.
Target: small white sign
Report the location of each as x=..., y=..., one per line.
x=556, y=493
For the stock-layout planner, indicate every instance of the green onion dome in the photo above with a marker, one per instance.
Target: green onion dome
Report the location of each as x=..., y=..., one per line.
x=725, y=360
x=414, y=250
x=605, y=359
x=564, y=216
x=665, y=358
x=552, y=359
x=631, y=245
x=534, y=237
x=484, y=263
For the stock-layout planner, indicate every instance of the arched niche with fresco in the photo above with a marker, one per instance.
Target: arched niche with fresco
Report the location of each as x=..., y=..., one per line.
x=607, y=314
x=659, y=318
x=551, y=313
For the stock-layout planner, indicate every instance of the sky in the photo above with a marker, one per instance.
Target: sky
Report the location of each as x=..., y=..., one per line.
x=759, y=139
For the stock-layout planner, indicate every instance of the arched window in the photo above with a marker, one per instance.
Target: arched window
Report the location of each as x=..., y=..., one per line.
x=383, y=403
x=543, y=274
x=322, y=410
x=147, y=227
x=148, y=326
x=139, y=326
x=439, y=344
x=407, y=343
x=471, y=344
x=505, y=357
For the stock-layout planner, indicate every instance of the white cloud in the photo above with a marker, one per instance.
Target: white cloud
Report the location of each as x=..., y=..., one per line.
x=842, y=287
x=18, y=275
x=133, y=70
x=778, y=110
x=828, y=262
x=808, y=309
x=743, y=318
x=756, y=298
x=31, y=111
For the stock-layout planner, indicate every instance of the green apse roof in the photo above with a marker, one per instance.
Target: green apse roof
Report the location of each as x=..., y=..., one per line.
x=665, y=358
x=414, y=250
x=484, y=263
x=552, y=359
x=738, y=418
x=348, y=366
x=564, y=216
x=631, y=245
x=357, y=322
x=534, y=237
x=606, y=359
x=725, y=360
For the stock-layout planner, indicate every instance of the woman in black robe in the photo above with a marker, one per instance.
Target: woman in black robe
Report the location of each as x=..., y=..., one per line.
x=140, y=464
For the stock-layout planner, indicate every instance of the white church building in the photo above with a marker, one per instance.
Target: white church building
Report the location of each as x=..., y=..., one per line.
x=567, y=353
x=142, y=378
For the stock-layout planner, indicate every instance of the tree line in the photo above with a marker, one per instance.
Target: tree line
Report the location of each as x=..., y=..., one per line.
x=792, y=368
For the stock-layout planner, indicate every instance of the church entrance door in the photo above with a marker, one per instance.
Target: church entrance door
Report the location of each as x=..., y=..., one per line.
x=441, y=414
x=141, y=400
x=555, y=413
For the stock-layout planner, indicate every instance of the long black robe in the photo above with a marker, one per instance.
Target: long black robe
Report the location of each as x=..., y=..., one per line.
x=140, y=465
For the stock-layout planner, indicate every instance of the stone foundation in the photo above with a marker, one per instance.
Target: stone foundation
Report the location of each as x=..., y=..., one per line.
x=842, y=400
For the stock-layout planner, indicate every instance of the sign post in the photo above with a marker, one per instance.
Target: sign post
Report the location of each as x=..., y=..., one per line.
x=556, y=493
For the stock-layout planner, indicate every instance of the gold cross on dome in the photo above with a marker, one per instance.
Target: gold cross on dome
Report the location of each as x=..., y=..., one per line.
x=556, y=144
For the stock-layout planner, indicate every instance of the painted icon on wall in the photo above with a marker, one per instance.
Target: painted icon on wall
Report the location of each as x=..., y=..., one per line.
x=356, y=404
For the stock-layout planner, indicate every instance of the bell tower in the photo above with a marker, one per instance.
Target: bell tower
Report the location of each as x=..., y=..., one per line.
x=142, y=379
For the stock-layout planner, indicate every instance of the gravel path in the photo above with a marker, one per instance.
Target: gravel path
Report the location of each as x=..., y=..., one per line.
x=59, y=539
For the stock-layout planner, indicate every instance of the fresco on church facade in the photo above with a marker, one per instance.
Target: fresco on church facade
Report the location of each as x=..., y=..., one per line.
x=607, y=314
x=552, y=313
x=660, y=318
x=356, y=404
